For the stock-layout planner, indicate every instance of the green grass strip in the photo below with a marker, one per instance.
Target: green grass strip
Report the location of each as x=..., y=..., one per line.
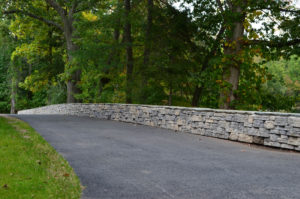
x=30, y=167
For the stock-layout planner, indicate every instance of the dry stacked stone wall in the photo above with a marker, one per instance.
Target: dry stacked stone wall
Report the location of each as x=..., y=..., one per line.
x=266, y=128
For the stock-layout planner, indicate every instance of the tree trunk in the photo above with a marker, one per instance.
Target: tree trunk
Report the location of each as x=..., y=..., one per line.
x=14, y=90
x=147, y=49
x=170, y=95
x=196, y=95
x=13, y=100
x=66, y=15
x=129, y=53
x=114, y=56
x=13, y=103
x=199, y=89
x=116, y=53
x=233, y=79
x=232, y=73
x=113, y=59
x=148, y=37
x=72, y=88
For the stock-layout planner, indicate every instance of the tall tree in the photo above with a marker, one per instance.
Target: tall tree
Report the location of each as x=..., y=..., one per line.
x=7, y=45
x=148, y=51
x=241, y=36
x=148, y=43
x=234, y=37
x=129, y=52
x=67, y=18
x=63, y=22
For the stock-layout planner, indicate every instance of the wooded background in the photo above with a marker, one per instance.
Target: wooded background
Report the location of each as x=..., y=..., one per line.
x=231, y=54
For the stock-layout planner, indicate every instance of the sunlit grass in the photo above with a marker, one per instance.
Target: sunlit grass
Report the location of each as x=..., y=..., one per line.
x=30, y=167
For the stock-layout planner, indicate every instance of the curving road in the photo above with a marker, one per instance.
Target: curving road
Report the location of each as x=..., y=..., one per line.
x=124, y=161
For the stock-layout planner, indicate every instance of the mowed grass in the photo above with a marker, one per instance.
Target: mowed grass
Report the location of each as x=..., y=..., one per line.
x=30, y=167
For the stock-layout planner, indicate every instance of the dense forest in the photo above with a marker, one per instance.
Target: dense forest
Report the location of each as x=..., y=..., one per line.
x=230, y=54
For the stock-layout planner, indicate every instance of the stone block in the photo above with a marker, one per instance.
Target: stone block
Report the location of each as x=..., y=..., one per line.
x=294, y=121
x=233, y=136
x=247, y=124
x=196, y=118
x=262, y=132
x=240, y=118
x=234, y=125
x=258, y=123
x=235, y=118
x=274, y=137
x=272, y=118
x=220, y=130
x=274, y=131
x=223, y=124
x=194, y=124
x=283, y=139
x=201, y=124
x=177, y=112
x=209, y=114
x=228, y=117
x=229, y=130
x=287, y=146
x=245, y=138
x=250, y=119
x=294, y=141
x=261, y=117
x=217, y=118
x=208, y=132
x=258, y=140
x=269, y=124
x=220, y=114
x=180, y=122
x=209, y=121
x=222, y=135
x=283, y=132
x=293, y=133
x=281, y=121
x=196, y=131
x=251, y=131
x=267, y=142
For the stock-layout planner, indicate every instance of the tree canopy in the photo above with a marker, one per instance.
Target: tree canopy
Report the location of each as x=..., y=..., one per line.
x=231, y=54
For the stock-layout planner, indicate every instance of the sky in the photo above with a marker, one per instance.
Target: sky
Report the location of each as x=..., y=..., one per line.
x=255, y=25
x=297, y=3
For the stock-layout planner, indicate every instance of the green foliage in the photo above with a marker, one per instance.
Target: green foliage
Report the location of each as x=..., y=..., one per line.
x=283, y=88
x=187, y=50
x=4, y=88
x=6, y=46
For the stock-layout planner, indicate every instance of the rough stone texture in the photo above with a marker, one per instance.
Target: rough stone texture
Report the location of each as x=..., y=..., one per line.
x=269, y=125
x=267, y=128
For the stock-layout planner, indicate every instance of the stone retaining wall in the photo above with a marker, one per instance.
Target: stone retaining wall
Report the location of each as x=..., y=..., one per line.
x=266, y=128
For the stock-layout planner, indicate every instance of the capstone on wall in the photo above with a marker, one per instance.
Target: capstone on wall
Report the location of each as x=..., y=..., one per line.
x=266, y=128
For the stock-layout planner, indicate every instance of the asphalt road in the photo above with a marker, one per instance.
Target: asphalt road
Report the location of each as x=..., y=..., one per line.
x=124, y=161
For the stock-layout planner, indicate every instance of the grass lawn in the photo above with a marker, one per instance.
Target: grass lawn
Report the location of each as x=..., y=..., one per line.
x=30, y=167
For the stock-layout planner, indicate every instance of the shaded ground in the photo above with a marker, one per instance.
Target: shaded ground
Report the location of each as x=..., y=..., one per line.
x=118, y=160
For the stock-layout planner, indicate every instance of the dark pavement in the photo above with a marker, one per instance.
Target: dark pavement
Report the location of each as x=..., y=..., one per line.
x=125, y=161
